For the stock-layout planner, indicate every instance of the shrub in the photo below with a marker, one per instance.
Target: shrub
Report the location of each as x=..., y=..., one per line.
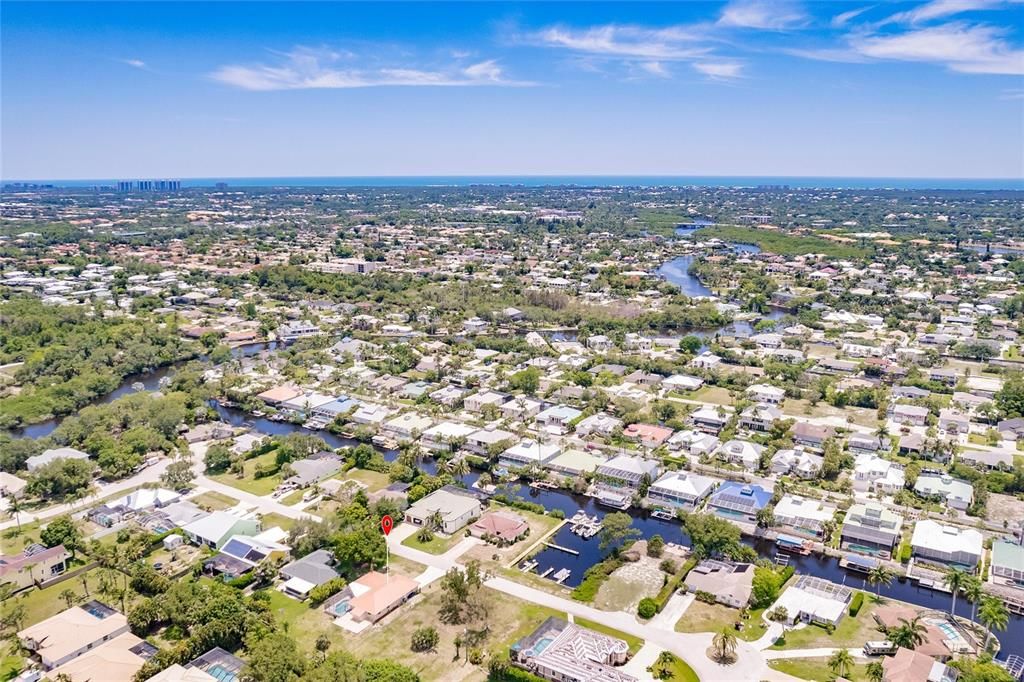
x=856, y=603
x=779, y=614
x=594, y=577
x=706, y=597
x=655, y=546
x=668, y=566
x=786, y=574
x=647, y=608
x=425, y=639
x=556, y=514
x=242, y=581
x=476, y=656
x=319, y=594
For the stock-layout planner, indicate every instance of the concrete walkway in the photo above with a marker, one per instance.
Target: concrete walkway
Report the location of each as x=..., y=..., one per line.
x=672, y=612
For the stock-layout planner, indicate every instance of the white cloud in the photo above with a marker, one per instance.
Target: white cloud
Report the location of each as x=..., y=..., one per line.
x=137, y=63
x=840, y=20
x=655, y=69
x=761, y=14
x=305, y=68
x=636, y=42
x=936, y=9
x=961, y=47
x=720, y=70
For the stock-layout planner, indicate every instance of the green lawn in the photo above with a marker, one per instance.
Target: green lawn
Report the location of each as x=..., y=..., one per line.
x=41, y=604
x=214, y=501
x=10, y=666
x=702, y=617
x=678, y=671
x=249, y=483
x=374, y=480
x=274, y=519
x=292, y=498
x=851, y=632
x=634, y=642
x=817, y=669
x=438, y=545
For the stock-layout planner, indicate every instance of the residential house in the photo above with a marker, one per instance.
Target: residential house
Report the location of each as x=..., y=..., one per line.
x=797, y=462
x=446, y=436
x=452, y=509
x=947, y=545
x=694, y=443
x=71, y=633
x=213, y=530
x=52, y=455
x=560, y=651
x=873, y=472
x=871, y=529
x=953, y=421
x=741, y=452
x=731, y=583
x=407, y=427
x=312, y=570
x=648, y=435
x=628, y=471
x=600, y=424
x=528, y=453
x=479, y=401
x=35, y=565
x=954, y=492
x=908, y=415
x=1007, y=563
x=482, y=440
x=500, y=527
x=558, y=419
x=681, y=489
x=909, y=665
x=803, y=516
x=576, y=463
x=811, y=436
x=521, y=408
x=710, y=419
x=759, y=418
x=814, y=600
x=736, y=501
x=372, y=596
x=766, y=395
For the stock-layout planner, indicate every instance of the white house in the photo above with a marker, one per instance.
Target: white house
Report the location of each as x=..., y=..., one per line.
x=944, y=544
x=681, y=489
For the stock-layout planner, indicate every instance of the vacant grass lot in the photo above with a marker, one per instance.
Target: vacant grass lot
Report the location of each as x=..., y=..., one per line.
x=214, y=501
x=374, y=480
x=439, y=544
x=248, y=482
x=702, y=617
x=817, y=669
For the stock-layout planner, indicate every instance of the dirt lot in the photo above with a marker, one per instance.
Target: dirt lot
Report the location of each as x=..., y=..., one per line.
x=1005, y=508
x=628, y=585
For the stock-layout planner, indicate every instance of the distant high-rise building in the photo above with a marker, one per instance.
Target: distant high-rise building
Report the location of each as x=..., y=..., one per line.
x=148, y=185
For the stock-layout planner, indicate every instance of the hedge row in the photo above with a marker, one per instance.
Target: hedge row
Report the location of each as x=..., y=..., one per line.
x=856, y=603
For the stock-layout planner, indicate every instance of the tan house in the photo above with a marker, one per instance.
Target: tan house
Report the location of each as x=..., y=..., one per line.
x=71, y=633
x=35, y=565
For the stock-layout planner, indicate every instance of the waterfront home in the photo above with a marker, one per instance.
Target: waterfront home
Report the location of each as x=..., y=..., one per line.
x=213, y=530
x=279, y=394
x=599, y=343
x=759, y=418
x=695, y=443
x=72, y=632
x=453, y=510
x=558, y=418
x=446, y=436
x=312, y=570
x=648, y=435
x=528, y=453
x=34, y=565
x=407, y=427
x=731, y=583
x=871, y=529
x=560, y=651
x=115, y=660
x=1007, y=564
x=934, y=541
x=293, y=331
x=500, y=527
x=370, y=414
x=305, y=403
x=766, y=395
x=628, y=470
x=814, y=600
x=681, y=489
x=575, y=463
x=803, y=516
x=797, y=462
x=873, y=472
x=955, y=493
x=338, y=407
x=600, y=424
x=482, y=440
x=737, y=501
x=913, y=666
x=742, y=453
x=52, y=455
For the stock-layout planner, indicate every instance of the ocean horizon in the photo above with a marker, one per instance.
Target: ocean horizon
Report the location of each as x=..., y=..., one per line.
x=746, y=181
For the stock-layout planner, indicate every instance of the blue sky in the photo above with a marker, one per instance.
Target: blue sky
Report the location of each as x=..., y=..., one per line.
x=106, y=90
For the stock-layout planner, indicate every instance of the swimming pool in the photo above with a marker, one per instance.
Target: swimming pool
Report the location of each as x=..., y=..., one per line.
x=540, y=646
x=340, y=608
x=947, y=629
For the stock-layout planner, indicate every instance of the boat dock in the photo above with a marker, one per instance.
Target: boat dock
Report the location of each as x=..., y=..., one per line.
x=562, y=575
x=567, y=550
x=663, y=514
x=585, y=526
x=543, y=485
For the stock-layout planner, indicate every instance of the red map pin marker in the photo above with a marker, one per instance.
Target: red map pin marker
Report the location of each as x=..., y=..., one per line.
x=386, y=524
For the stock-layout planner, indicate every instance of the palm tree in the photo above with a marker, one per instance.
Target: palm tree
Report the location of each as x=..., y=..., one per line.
x=908, y=634
x=973, y=592
x=68, y=596
x=457, y=467
x=875, y=671
x=724, y=644
x=956, y=579
x=993, y=615
x=840, y=661
x=878, y=576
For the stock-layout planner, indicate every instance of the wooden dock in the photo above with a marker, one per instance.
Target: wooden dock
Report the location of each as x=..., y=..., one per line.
x=568, y=550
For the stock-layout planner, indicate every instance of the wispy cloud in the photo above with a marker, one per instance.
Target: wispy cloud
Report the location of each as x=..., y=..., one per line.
x=842, y=19
x=1012, y=94
x=137, y=63
x=625, y=41
x=655, y=69
x=306, y=68
x=937, y=9
x=762, y=14
x=720, y=70
x=959, y=46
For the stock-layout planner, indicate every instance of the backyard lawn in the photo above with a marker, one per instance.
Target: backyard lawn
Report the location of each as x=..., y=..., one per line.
x=439, y=544
x=40, y=604
x=702, y=617
x=214, y=501
x=851, y=632
x=817, y=669
x=678, y=671
x=374, y=480
x=274, y=519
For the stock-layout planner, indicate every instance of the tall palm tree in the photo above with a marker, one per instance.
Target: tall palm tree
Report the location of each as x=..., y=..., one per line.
x=878, y=576
x=724, y=644
x=973, y=592
x=457, y=467
x=840, y=661
x=908, y=634
x=993, y=615
x=956, y=579
x=875, y=671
